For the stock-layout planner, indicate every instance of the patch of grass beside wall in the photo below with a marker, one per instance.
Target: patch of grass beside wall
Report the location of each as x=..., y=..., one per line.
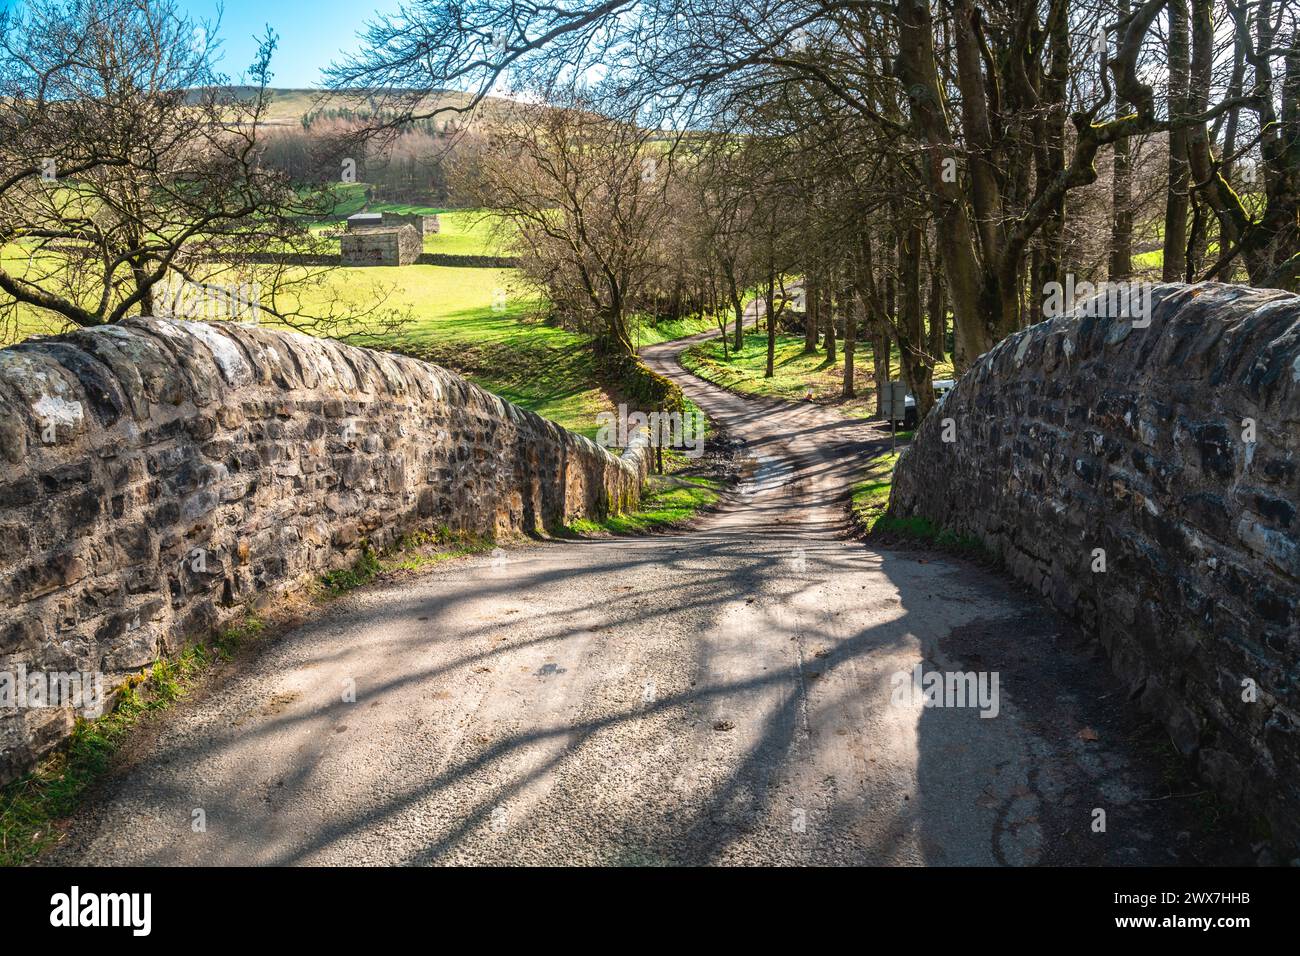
x=32, y=807
x=870, y=505
x=924, y=531
x=871, y=494
x=667, y=501
x=417, y=550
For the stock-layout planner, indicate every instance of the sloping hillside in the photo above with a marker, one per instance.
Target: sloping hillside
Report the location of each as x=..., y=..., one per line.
x=289, y=106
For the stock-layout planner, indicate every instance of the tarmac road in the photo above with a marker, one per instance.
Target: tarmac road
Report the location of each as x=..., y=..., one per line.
x=723, y=695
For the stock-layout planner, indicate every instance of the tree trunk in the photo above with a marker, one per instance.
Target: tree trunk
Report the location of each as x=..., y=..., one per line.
x=938, y=309
x=812, y=311
x=1232, y=119
x=916, y=68
x=1050, y=161
x=829, y=321
x=850, y=342
x=738, y=307
x=771, y=326
x=880, y=363
x=1121, y=203
x=1121, y=196
x=1197, y=239
x=918, y=368
x=1176, y=203
x=141, y=277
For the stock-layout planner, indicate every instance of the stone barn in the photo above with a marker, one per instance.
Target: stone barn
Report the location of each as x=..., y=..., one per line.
x=381, y=247
x=365, y=220
x=424, y=225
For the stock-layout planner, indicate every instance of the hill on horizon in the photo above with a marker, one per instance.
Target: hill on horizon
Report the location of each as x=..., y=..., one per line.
x=290, y=104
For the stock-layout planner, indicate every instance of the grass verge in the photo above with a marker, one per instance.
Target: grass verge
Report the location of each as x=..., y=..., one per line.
x=795, y=372
x=871, y=494
x=415, y=551
x=33, y=806
x=870, y=507
x=668, y=501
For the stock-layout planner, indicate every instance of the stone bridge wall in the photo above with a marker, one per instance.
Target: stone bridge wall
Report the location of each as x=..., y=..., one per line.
x=155, y=475
x=1088, y=433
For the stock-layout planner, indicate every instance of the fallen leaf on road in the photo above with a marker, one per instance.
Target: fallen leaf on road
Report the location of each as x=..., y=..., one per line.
x=1089, y=734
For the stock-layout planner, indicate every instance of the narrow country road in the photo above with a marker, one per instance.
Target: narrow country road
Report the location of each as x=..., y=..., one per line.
x=721, y=695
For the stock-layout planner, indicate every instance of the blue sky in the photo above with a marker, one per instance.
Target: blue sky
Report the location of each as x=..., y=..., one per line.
x=312, y=33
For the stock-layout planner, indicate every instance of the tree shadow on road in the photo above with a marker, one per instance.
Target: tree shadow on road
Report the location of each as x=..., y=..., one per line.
x=820, y=766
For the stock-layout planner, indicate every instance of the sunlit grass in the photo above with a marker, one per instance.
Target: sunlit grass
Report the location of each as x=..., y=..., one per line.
x=414, y=552
x=795, y=372
x=870, y=507
x=871, y=494
x=646, y=333
x=465, y=232
x=667, y=501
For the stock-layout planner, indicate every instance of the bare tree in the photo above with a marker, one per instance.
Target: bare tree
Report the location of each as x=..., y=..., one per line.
x=128, y=168
x=722, y=170
x=583, y=195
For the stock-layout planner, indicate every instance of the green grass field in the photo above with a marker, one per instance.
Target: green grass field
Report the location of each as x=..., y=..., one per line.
x=17, y=262
x=476, y=321
x=795, y=372
x=462, y=232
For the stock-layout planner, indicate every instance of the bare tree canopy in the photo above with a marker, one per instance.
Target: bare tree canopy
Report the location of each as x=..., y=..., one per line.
x=997, y=116
x=130, y=167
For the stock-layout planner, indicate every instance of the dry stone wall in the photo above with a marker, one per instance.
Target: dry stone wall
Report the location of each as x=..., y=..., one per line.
x=156, y=475
x=1172, y=454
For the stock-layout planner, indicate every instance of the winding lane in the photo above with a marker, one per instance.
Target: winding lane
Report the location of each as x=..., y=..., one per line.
x=720, y=695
